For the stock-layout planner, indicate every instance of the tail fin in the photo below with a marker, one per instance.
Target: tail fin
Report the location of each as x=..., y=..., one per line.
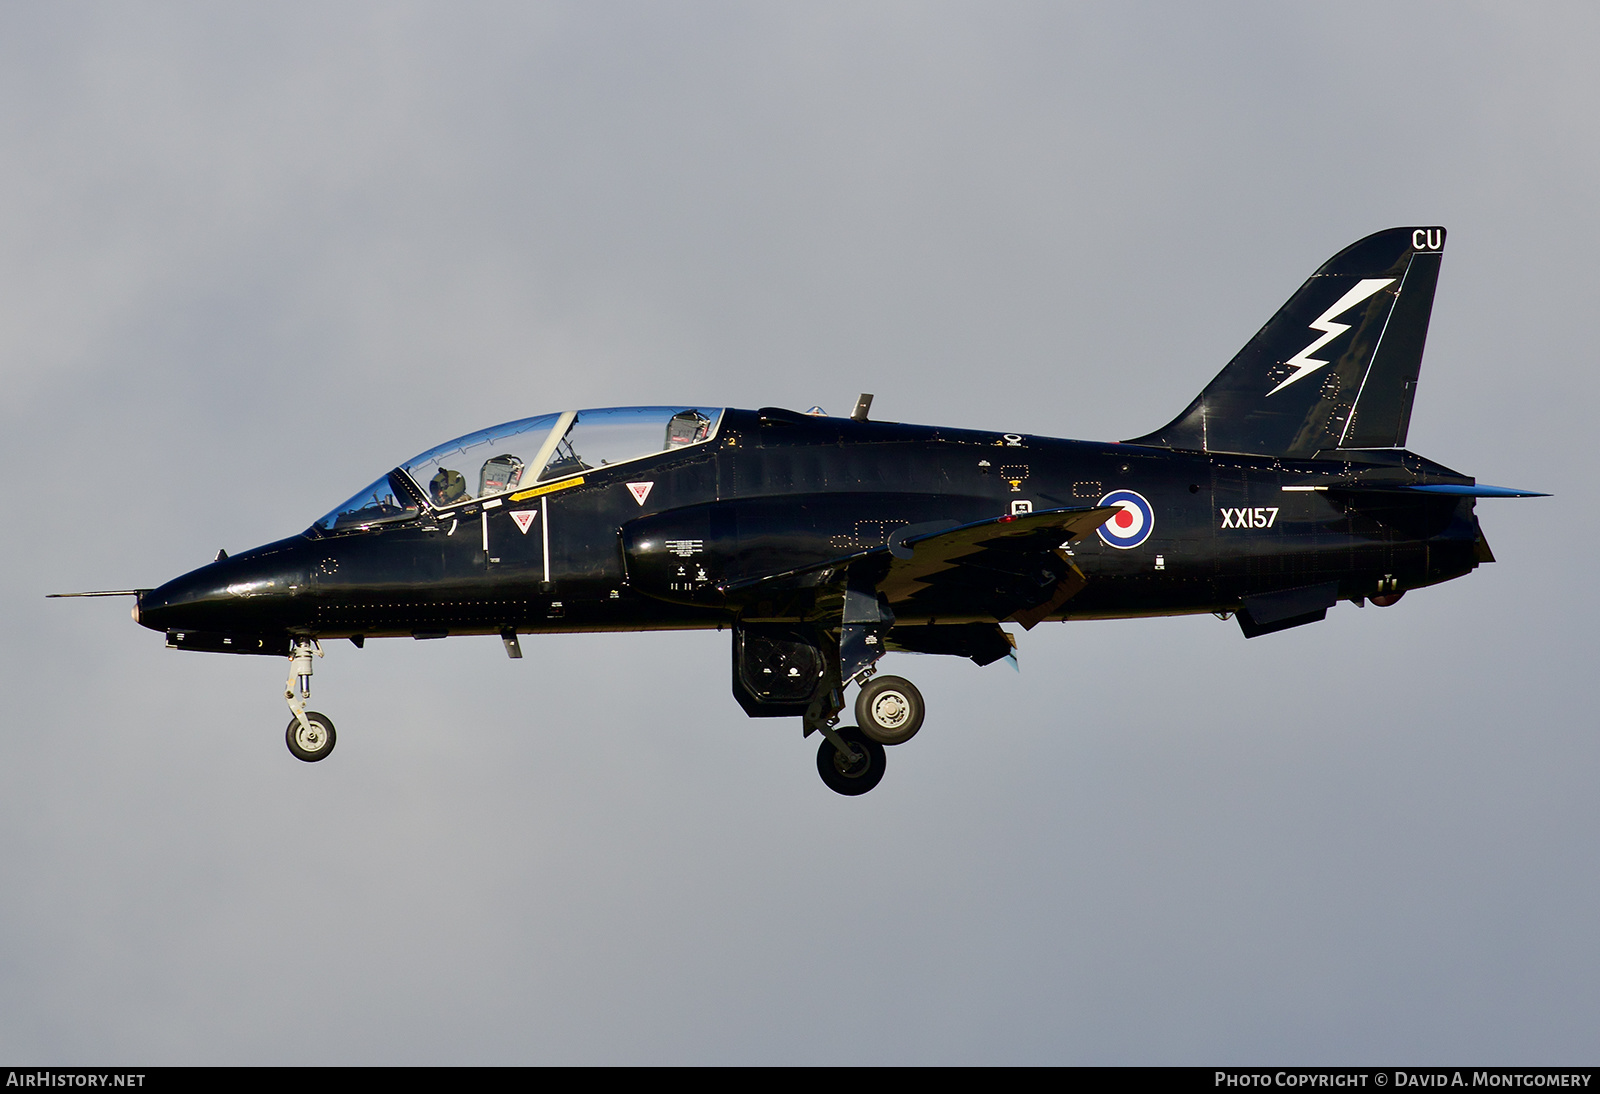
x=1335, y=368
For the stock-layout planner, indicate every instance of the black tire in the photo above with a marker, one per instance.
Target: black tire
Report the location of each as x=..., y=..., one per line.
x=847, y=778
x=890, y=710
x=318, y=744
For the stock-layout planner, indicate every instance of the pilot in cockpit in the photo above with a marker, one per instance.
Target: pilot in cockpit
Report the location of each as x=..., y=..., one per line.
x=448, y=487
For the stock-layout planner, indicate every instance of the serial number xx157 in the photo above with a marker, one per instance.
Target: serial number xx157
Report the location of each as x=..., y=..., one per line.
x=1259, y=517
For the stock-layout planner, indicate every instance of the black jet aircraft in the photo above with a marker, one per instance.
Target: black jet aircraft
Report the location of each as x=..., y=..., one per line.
x=821, y=543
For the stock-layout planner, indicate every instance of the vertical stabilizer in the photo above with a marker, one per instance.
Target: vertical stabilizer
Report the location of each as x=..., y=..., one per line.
x=1335, y=368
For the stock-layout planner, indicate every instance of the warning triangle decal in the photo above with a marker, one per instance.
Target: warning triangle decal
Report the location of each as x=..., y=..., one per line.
x=641, y=490
x=524, y=518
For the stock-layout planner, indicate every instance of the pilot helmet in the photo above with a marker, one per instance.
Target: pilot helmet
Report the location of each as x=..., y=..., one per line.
x=447, y=487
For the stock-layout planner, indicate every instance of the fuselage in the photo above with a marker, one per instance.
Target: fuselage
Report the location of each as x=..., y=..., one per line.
x=652, y=542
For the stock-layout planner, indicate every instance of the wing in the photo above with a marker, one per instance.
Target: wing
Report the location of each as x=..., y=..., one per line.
x=1008, y=568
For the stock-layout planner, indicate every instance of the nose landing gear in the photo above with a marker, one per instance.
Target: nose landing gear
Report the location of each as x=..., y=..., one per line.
x=310, y=735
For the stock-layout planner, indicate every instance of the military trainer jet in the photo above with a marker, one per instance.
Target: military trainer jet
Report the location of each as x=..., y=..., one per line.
x=820, y=543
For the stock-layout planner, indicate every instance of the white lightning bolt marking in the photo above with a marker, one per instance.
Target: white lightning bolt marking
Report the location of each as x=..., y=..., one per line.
x=1302, y=362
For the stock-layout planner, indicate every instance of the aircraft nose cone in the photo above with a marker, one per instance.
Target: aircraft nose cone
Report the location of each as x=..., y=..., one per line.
x=181, y=602
x=247, y=594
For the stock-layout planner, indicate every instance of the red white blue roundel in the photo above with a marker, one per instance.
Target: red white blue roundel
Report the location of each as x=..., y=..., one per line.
x=1130, y=527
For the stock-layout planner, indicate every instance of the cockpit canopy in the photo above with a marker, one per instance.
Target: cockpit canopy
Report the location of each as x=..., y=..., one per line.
x=519, y=455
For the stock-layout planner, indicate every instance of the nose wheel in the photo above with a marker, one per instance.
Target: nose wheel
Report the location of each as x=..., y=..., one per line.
x=311, y=739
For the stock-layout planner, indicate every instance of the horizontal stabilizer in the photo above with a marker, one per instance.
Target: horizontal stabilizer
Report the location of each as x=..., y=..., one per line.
x=1479, y=491
x=1448, y=489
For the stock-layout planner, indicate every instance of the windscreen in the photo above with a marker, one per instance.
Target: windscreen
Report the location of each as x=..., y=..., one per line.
x=379, y=503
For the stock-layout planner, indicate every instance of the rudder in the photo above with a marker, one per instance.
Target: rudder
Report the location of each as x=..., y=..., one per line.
x=1336, y=367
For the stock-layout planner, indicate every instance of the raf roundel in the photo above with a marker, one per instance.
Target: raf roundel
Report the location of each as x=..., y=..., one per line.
x=1130, y=527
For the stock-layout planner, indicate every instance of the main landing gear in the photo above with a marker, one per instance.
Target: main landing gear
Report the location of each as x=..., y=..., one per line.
x=310, y=735
x=889, y=710
x=851, y=759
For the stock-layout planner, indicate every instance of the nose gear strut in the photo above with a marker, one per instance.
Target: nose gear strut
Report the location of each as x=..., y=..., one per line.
x=310, y=735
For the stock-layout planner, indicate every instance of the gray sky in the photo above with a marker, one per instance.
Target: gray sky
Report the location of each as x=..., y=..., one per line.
x=253, y=256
